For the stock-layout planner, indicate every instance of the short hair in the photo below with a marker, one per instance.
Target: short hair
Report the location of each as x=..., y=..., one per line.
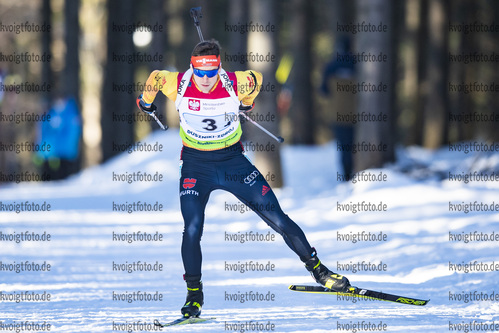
x=210, y=47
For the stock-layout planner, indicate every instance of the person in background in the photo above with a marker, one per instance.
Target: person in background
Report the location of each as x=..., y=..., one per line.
x=342, y=70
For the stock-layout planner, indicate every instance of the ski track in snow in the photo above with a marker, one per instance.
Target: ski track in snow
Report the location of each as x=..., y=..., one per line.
x=417, y=253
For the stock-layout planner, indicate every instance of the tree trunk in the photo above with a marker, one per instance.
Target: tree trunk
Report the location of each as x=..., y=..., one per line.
x=267, y=159
x=47, y=75
x=71, y=76
x=436, y=106
x=374, y=140
x=238, y=13
x=92, y=56
x=494, y=101
x=488, y=101
x=302, y=109
x=118, y=72
x=422, y=88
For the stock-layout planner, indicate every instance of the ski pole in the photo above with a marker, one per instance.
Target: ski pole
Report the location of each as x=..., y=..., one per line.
x=277, y=138
x=150, y=111
x=163, y=127
x=196, y=15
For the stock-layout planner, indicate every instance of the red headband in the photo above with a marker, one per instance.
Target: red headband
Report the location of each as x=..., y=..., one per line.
x=205, y=60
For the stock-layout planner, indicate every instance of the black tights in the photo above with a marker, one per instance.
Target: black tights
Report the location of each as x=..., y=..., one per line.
x=228, y=169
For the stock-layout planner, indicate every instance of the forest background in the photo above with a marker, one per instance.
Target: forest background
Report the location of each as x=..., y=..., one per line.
x=415, y=72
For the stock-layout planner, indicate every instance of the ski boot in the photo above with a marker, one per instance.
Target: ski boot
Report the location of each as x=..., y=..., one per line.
x=194, y=300
x=324, y=276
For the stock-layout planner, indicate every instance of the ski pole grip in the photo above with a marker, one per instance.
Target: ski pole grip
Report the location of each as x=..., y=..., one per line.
x=196, y=14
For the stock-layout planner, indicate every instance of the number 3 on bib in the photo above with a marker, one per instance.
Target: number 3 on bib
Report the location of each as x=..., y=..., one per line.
x=210, y=124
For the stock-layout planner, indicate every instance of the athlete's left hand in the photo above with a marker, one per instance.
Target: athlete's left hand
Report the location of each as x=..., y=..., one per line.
x=246, y=108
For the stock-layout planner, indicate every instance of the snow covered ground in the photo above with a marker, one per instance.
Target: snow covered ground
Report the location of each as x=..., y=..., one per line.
x=425, y=251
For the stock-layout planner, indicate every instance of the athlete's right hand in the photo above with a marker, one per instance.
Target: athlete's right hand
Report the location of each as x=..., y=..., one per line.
x=143, y=107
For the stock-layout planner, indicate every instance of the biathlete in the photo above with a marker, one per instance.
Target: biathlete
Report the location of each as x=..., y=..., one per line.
x=208, y=100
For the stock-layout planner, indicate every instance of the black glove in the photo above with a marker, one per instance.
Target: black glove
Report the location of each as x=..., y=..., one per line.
x=246, y=108
x=142, y=106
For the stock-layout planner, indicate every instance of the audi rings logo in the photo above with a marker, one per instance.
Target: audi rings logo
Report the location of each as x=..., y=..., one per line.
x=251, y=178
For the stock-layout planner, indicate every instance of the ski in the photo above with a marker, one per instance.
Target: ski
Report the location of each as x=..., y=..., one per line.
x=361, y=293
x=183, y=321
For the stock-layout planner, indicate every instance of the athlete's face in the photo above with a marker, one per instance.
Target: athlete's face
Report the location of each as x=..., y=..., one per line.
x=205, y=83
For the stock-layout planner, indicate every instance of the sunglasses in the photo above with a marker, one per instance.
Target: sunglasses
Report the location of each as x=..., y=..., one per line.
x=201, y=73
